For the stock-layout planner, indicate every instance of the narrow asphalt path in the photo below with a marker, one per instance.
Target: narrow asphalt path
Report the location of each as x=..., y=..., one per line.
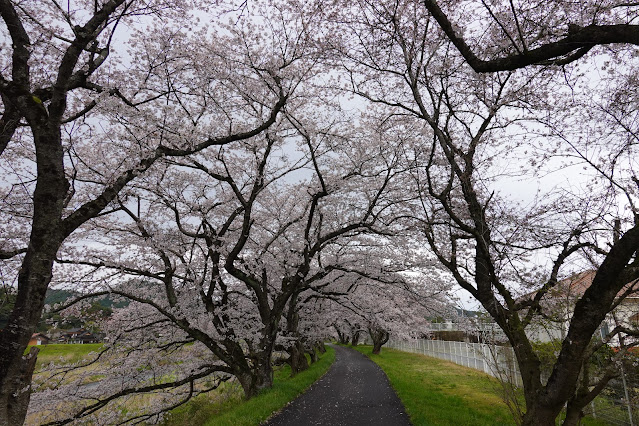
x=355, y=391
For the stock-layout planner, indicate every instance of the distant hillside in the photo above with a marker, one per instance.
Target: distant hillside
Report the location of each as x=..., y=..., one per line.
x=54, y=297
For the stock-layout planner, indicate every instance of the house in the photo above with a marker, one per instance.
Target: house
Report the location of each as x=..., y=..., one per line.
x=78, y=336
x=38, y=339
x=558, y=305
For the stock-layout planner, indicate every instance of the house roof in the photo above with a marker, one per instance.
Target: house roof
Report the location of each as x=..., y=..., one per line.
x=34, y=335
x=577, y=284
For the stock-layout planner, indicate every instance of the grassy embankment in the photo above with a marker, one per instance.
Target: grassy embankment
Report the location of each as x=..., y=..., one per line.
x=66, y=353
x=437, y=392
x=229, y=408
x=224, y=406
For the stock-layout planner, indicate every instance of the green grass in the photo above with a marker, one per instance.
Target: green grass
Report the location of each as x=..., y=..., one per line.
x=227, y=408
x=437, y=392
x=68, y=353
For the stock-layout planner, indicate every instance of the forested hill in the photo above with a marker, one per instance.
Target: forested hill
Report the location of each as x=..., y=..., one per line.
x=54, y=297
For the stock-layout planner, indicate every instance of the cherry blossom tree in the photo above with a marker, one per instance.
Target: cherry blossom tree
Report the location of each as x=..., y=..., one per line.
x=88, y=109
x=314, y=325
x=389, y=288
x=361, y=265
x=463, y=125
x=307, y=323
x=389, y=305
x=401, y=313
x=213, y=248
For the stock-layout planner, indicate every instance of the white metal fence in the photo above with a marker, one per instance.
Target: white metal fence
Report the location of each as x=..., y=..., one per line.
x=498, y=361
x=491, y=330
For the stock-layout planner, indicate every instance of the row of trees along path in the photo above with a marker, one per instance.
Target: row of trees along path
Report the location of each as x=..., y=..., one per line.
x=355, y=391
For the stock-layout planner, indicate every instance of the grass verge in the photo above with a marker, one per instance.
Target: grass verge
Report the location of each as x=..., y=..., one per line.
x=227, y=408
x=437, y=392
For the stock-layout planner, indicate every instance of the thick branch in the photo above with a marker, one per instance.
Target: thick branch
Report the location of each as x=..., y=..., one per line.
x=574, y=45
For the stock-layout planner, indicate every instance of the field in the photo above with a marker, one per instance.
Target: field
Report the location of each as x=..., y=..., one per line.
x=223, y=406
x=65, y=353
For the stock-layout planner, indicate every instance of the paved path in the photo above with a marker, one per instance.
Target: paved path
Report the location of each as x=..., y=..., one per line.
x=355, y=391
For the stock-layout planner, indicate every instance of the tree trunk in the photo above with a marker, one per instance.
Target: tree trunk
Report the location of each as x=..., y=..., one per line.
x=380, y=337
x=355, y=338
x=15, y=391
x=33, y=278
x=539, y=415
x=297, y=358
x=342, y=337
x=321, y=348
x=260, y=377
x=573, y=415
x=313, y=354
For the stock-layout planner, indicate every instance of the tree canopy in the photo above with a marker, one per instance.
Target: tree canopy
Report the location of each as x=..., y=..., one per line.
x=258, y=178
